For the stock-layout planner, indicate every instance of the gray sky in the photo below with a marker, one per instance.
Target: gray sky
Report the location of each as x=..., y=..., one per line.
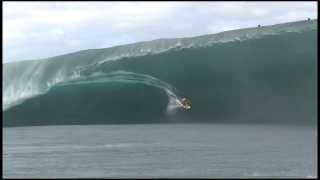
x=34, y=30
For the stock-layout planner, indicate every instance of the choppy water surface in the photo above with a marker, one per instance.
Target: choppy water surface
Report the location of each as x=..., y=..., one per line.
x=160, y=150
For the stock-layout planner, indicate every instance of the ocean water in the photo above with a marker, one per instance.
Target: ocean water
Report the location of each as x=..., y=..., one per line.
x=160, y=150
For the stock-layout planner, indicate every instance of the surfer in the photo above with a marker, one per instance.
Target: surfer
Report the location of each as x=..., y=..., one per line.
x=185, y=103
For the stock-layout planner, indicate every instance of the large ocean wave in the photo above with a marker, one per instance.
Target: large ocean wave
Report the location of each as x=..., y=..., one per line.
x=265, y=74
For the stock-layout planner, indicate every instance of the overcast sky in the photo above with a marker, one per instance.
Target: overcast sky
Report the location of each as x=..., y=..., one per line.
x=34, y=30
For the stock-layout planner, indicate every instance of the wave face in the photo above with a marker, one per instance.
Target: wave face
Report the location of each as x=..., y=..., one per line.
x=259, y=75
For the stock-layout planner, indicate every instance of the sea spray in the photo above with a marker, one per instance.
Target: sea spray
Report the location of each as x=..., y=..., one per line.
x=15, y=94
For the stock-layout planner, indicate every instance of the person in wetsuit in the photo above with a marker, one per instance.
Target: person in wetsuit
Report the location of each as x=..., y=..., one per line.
x=186, y=102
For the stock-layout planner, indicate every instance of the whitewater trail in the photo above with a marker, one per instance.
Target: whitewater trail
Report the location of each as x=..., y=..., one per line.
x=130, y=77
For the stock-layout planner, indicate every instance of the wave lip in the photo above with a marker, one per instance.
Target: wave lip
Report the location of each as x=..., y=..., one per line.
x=162, y=45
